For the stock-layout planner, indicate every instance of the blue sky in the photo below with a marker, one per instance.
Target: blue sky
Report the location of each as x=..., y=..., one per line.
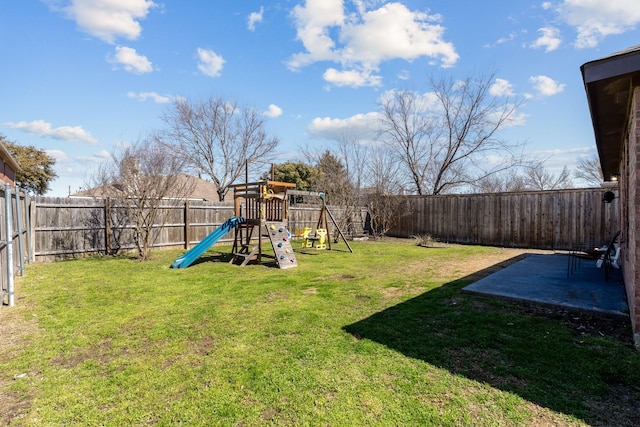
x=80, y=77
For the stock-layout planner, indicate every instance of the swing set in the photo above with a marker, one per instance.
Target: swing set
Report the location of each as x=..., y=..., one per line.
x=321, y=237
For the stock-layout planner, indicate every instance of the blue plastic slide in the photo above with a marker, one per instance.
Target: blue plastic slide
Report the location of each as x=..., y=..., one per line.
x=194, y=253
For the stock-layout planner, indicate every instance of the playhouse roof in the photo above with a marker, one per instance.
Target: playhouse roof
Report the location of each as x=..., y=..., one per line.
x=275, y=186
x=609, y=84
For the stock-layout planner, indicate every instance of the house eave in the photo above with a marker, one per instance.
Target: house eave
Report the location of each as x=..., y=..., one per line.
x=609, y=84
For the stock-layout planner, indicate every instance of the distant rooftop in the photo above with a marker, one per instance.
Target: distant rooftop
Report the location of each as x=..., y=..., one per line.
x=201, y=189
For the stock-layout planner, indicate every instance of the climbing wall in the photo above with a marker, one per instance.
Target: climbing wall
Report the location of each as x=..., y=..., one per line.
x=281, y=242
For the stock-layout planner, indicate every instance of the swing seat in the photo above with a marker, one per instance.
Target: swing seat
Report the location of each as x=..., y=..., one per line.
x=308, y=239
x=318, y=241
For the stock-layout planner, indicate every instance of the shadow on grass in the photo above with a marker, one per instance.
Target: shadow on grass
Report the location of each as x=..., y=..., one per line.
x=537, y=353
x=226, y=257
x=213, y=257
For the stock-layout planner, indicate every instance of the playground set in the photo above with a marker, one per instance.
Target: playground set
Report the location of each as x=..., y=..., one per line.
x=261, y=215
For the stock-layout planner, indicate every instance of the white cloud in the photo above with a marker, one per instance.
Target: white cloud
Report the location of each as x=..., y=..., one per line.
x=155, y=97
x=393, y=31
x=546, y=86
x=404, y=75
x=360, y=124
x=351, y=78
x=103, y=154
x=427, y=101
x=516, y=119
x=254, y=18
x=97, y=157
x=58, y=155
x=581, y=151
x=130, y=60
x=556, y=159
x=501, y=87
x=273, y=112
x=512, y=36
x=549, y=40
x=313, y=22
x=596, y=19
x=364, y=126
x=361, y=40
x=109, y=19
x=547, y=5
x=210, y=62
x=64, y=133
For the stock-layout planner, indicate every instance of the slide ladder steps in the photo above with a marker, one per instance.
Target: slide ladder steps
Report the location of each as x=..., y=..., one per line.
x=247, y=253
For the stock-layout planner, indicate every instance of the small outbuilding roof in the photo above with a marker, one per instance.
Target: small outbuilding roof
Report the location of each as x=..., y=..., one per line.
x=609, y=84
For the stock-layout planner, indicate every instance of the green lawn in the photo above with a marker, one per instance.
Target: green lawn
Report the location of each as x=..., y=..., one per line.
x=383, y=336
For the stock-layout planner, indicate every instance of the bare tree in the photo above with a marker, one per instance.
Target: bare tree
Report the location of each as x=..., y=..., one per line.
x=444, y=138
x=367, y=174
x=590, y=171
x=144, y=176
x=355, y=154
x=385, y=200
x=538, y=177
x=218, y=138
x=374, y=174
x=508, y=181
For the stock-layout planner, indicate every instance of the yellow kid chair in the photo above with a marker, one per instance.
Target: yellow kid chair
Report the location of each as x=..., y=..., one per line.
x=308, y=240
x=321, y=235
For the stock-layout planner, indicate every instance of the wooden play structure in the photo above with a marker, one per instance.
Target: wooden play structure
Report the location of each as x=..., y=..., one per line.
x=263, y=206
x=261, y=214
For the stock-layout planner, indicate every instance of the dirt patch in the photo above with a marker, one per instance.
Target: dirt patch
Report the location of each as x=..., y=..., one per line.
x=584, y=322
x=473, y=268
x=621, y=408
x=396, y=292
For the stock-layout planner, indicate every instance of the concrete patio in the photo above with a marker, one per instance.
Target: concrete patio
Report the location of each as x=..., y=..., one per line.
x=544, y=279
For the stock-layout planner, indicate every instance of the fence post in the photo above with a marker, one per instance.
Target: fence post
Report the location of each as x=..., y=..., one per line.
x=9, y=236
x=32, y=230
x=107, y=227
x=187, y=235
x=27, y=226
x=20, y=231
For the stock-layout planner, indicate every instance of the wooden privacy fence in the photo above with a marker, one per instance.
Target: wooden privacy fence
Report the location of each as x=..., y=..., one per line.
x=69, y=227
x=558, y=219
x=72, y=227
x=15, y=249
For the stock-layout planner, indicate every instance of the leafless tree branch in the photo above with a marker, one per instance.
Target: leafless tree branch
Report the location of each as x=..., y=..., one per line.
x=217, y=137
x=144, y=177
x=590, y=171
x=445, y=137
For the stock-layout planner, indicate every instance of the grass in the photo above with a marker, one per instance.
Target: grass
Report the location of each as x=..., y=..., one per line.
x=383, y=336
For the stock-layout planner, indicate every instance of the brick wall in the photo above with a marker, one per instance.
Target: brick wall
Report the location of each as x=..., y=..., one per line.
x=630, y=215
x=7, y=174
